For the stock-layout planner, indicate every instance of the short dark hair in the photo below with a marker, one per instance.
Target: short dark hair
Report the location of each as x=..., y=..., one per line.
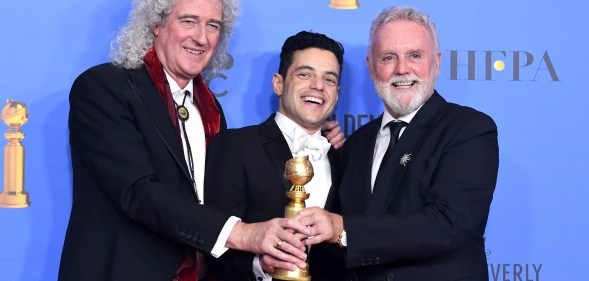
x=305, y=40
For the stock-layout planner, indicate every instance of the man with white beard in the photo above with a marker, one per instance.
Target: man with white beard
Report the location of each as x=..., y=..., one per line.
x=418, y=181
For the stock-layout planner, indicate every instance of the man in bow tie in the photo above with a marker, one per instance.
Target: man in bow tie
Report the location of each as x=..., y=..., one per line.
x=418, y=181
x=245, y=167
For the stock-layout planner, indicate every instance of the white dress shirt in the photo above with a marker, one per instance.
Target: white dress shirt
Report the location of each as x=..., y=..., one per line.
x=195, y=133
x=196, y=137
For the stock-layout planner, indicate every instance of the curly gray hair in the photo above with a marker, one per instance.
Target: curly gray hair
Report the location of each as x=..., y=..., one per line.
x=136, y=38
x=403, y=13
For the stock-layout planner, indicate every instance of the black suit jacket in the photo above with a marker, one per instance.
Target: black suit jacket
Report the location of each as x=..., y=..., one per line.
x=427, y=220
x=245, y=177
x=134, y=212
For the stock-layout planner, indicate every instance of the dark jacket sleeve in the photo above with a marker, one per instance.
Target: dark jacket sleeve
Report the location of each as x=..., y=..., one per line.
x=225, y=190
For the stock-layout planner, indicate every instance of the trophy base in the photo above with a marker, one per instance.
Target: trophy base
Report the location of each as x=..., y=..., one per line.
x=299, y=274
x=14, y=200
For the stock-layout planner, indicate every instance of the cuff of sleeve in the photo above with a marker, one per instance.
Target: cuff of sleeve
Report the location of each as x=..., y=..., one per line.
x=258, y=271
x=219, y=247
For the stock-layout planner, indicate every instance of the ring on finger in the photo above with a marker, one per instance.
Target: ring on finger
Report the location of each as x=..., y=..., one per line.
x=279, y=243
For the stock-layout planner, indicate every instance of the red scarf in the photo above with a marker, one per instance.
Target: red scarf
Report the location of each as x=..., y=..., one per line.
x=203, y=98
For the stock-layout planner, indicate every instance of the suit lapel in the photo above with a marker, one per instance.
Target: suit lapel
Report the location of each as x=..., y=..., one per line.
x=359, y=167
x=332, y=202
x=406, y=149
x=276, y=148
x=148, y=96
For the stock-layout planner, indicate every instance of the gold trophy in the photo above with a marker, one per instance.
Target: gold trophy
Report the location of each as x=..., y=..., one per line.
x=14, y=114
x=298, y=171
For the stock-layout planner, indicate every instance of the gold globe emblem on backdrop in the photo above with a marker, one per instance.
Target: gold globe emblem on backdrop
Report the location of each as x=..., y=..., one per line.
x=14, y=114
x=344, y=4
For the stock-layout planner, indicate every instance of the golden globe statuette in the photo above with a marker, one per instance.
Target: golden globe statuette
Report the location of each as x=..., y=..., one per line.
x=298, y=171
x=14, y=114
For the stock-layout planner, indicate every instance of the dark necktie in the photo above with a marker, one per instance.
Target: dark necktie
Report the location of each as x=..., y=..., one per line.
x=395, y=128
x=183, y=116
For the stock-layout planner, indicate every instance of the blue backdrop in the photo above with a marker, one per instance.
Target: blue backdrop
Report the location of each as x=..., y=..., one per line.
x=537, y=229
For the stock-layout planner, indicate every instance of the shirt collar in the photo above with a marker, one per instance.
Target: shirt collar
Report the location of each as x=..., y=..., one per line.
x=387, y=117
x=287, y=126
x=175, y=89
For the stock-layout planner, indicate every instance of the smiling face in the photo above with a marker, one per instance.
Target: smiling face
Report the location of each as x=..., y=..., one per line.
x=187, y=40
x=403, y=65
x=309, y=91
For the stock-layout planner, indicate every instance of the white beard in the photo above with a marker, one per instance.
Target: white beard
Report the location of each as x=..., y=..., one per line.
x=404, y=103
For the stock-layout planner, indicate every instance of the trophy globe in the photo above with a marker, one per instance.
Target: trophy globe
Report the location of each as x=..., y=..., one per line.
x=15, y=114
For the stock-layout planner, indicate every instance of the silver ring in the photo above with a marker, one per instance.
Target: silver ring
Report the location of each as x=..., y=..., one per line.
x=279, y=243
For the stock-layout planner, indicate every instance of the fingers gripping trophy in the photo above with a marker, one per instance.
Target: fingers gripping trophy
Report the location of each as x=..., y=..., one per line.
x=298, y=171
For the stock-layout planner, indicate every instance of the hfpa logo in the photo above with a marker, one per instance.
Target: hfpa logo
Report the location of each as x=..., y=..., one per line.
x=483, y=65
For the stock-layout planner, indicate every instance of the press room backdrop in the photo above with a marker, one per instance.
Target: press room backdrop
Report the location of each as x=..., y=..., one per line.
x=522, y=62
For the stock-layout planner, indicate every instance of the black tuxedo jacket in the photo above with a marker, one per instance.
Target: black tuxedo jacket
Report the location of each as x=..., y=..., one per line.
x=426, y=217
x=245, y=177
x=134, y=212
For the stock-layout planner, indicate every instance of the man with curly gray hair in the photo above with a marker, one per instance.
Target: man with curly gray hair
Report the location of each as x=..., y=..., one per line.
x=138, y=133
x=135, y=39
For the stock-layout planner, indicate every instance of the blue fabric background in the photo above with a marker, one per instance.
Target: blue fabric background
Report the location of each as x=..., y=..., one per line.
x=537, y=228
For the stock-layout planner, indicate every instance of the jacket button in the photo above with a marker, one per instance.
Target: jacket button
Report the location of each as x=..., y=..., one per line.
x=188, y=237
x=200, y=242
x=182, y=234
x=391, y=277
